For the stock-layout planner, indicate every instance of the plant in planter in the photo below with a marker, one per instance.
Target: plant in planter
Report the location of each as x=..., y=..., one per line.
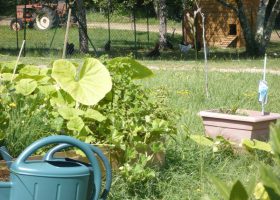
x=236, y=127
x=238, y=124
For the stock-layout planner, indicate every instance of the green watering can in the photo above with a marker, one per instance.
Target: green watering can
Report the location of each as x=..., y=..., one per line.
x=56, y=178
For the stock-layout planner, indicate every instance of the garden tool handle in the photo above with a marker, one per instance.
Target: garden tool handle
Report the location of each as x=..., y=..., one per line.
x=50, y=156
x=68, y=140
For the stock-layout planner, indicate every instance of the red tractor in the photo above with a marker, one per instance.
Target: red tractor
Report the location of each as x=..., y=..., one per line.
x=41, y=15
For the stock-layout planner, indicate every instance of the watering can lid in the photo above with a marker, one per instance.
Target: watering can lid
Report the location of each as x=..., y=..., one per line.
x=50, y=169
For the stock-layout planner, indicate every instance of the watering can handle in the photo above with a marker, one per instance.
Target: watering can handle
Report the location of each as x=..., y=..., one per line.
x=49, y=156
x=73, y=142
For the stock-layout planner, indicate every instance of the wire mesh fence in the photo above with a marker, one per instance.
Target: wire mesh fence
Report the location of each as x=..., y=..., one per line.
x=110, y=30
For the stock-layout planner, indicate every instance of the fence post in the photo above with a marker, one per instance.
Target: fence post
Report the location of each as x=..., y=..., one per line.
x=17, y=25
x=148, y=28
x=24, y=36
x=183, y=26
x=109, y=27
x=135, y=37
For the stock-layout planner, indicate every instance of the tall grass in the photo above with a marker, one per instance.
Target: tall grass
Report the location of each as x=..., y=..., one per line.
x=27, y=121
x=187, y=164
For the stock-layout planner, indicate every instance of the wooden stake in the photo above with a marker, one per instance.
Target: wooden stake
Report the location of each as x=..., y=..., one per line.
x=15, y=68
x=66, y=34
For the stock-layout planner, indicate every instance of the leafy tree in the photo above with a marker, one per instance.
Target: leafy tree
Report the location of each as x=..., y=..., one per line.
x=256, y=41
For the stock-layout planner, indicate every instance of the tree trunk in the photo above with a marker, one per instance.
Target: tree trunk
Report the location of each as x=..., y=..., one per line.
x=155, y=3
x=269, y=27
x=162, y=23
x=247, y=31
x=260, y=20
x=81, y=15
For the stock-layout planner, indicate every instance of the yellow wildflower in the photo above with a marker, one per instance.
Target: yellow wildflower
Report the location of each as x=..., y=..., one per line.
x=183, y=92
x=260, y=192
x=13, y=105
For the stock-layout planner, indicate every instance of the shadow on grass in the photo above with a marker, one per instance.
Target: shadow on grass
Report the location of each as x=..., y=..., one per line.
x=40, y=52
x=118, y=48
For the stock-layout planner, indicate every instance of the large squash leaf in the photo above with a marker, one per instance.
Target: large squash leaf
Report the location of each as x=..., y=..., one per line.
x=47, y=90
x=94, y=114
x=7, y=76
x=76, y=124
x=255, y=144
x=138, y=70
x=271, y=182
x=68, y=112
x=222, y=188
x=202, y=140
x=238, y=192
x=26, y=86
x=87, y=86
x=30, y=70
x=61, y=99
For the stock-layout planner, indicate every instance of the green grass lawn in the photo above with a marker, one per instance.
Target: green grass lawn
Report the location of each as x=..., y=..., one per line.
x=187, y=164
x=50, y=44
x=180, y=65
x=185, y=174
x=39, y=43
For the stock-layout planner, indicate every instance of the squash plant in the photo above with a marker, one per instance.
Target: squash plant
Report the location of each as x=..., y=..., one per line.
x=53, y=93
x=94, y=103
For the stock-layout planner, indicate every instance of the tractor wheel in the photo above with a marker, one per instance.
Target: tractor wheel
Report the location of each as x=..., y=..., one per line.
x=46, y=19
x=16, y=25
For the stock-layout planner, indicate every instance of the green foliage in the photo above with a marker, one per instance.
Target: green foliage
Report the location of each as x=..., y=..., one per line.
x=255, y=144
x=33, y=105
x=137, y=121
x=223, y=189
x=87, y=85
x=270, y=178
x=238, y=192
x=26, y=86
x=136, y=69
x=219, y=144
x=202, y=140
x=71, y=100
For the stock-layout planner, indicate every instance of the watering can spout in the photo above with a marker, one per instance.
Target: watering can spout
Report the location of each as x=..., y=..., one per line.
x=6, y=156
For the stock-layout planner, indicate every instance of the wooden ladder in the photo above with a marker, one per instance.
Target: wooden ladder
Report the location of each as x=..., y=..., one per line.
x=227, y=41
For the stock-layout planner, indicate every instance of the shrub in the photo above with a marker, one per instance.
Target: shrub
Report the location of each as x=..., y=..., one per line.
x=78, y=101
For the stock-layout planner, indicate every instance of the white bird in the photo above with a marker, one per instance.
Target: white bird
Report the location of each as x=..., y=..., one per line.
x=185, y=48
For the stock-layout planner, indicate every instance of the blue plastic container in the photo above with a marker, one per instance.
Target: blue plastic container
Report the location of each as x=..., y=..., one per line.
x=56, y=178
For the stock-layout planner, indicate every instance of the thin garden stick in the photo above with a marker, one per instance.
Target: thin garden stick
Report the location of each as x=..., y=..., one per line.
x=66, y=34
x=205, y=56
x=263, y=88
x=204, y=48
x=264, y=67
x=15, y=68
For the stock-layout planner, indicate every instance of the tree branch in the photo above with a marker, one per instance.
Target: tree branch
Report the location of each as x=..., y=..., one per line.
x=228, y=5
x=271, y=20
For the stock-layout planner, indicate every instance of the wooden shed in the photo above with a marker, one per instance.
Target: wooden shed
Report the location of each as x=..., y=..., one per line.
x=222, y=25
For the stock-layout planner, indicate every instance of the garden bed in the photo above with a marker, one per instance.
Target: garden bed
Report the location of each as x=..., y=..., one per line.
x=4, y=174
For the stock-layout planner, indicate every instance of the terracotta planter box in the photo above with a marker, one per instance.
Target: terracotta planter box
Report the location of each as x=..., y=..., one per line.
x=236, y=127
